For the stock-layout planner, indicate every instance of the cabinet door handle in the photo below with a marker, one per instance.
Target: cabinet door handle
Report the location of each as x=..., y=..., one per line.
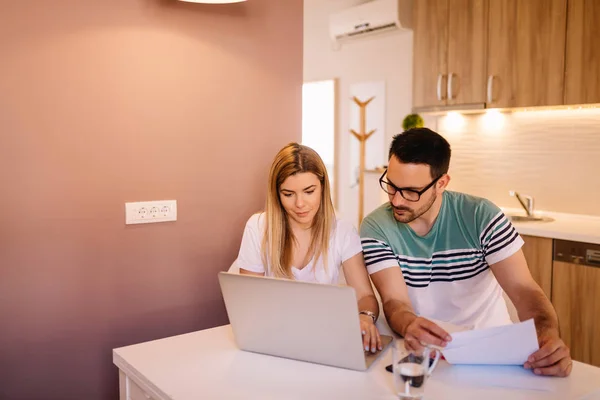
x=449, y=86
x=490, y=89
x=577, y=259
x=440, y=95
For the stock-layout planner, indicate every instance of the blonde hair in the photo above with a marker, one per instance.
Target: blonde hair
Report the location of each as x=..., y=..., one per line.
x=278, y=239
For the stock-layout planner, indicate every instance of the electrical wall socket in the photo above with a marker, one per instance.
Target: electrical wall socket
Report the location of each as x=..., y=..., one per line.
x=148, y=212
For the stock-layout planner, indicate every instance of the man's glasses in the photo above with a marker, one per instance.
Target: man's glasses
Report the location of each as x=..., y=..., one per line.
x=408, y=194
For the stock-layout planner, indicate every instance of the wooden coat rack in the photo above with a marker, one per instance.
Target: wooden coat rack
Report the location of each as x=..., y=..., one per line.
x=362, y=137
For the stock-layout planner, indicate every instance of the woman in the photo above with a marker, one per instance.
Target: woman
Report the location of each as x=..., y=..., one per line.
x=299, y=237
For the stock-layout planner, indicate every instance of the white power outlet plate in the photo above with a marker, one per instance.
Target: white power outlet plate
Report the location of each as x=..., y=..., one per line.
x=148, y=212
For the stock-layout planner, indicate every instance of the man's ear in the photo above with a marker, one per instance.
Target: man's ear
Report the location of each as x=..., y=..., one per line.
x=442, y=184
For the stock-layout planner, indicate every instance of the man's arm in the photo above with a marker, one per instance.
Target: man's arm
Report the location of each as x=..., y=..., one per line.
x=382, y=265
x=530, y=301
x=553, y=357
x=399, y=313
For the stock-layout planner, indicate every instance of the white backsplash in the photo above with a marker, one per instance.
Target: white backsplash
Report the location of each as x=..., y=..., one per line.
x=551, y=155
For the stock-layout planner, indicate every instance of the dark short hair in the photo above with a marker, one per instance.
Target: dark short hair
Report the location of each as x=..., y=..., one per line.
x=422, y=146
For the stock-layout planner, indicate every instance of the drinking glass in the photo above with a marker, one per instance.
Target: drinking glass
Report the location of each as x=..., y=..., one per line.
x=411, y=369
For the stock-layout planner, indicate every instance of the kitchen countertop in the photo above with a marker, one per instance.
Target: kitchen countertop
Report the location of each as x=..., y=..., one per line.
x=216, y=368
x=574, y=227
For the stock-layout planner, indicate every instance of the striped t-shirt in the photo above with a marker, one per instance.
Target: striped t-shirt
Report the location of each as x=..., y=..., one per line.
x=447, y=271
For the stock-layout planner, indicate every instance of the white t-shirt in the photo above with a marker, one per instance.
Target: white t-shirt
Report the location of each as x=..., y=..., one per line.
x=448, y=271
x=344, y=243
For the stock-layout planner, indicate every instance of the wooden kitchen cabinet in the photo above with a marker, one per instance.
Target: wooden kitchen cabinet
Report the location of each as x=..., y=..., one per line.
x=575, y=290
x=471, y=54
x=582, y=70
x=538, y=253
x=526, y=52
x=449, y=52
x=467, y=43
x=430, y=49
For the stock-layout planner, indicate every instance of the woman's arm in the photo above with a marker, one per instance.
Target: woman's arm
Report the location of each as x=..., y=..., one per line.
x=249, y=258
x=356, y=275
x=246, y=272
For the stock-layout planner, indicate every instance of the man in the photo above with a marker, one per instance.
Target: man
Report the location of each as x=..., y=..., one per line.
x=456, y=254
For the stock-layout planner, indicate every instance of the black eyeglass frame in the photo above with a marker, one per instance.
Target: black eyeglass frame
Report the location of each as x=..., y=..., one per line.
x=396, y=189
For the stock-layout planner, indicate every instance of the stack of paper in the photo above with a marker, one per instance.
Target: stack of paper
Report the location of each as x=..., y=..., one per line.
x=502, y=345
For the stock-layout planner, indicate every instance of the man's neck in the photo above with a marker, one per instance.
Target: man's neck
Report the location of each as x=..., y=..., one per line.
x=422, y=225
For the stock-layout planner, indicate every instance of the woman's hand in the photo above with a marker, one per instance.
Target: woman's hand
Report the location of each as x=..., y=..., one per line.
x=370, y=334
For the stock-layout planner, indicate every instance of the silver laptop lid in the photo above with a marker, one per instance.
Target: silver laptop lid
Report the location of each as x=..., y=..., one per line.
x=298, y=320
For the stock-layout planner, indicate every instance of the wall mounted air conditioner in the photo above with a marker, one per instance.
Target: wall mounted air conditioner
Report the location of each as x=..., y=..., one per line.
x=371, y=17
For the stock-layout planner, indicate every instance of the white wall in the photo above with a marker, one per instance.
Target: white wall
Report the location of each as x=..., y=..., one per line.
x=386, y=57
x=551, y=155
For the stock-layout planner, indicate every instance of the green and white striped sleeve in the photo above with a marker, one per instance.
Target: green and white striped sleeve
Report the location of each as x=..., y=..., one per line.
x=378, y=253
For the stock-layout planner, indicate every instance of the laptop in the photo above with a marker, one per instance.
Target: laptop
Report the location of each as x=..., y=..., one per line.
x=302, y=321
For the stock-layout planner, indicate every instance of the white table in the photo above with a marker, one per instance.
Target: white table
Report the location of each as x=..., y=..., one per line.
x=208, y=365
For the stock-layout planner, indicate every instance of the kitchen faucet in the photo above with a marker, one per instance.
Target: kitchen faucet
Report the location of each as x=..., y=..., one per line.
x=527, y=204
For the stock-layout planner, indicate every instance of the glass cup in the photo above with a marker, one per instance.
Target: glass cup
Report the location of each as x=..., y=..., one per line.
x=411, y=369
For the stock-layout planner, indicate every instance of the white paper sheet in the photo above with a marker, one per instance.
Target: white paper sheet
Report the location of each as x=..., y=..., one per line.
x=502, y=345
x=504, y=376
x=449, y=327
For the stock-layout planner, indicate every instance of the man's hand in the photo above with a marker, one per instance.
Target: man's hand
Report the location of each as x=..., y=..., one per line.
x=553, y=358
x=370, y=334
x=421, y=332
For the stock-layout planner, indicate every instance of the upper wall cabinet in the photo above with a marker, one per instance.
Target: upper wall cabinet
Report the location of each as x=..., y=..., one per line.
x=505, y=53
x=582, y=78
x=449, y=53
x=430, y=52
x=526, y=52
x=467, y=27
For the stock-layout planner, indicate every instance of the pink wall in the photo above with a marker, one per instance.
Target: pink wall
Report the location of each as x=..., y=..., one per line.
x=108, y=101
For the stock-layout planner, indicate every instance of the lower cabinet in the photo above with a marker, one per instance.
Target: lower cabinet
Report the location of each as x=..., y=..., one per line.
x=576, y=299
